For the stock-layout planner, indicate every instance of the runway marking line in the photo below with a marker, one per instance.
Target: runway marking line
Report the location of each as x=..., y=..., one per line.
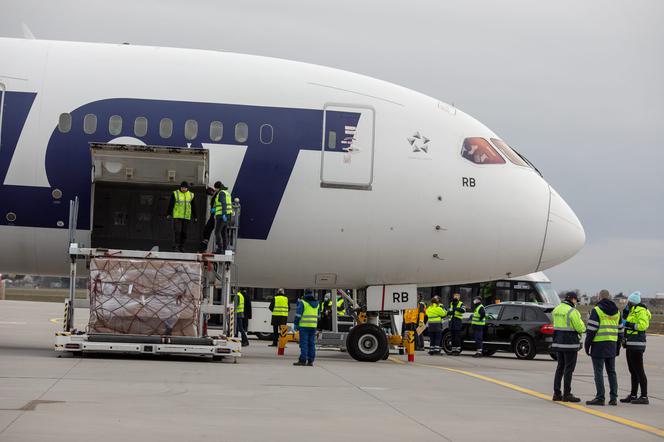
x=55, y=320
x=620, y=420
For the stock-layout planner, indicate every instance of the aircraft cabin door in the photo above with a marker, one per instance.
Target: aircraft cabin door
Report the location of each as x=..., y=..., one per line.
x=347, y=154
x=2, y=110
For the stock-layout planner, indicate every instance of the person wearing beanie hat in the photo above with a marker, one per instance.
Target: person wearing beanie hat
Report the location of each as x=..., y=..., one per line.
x=637, y=320
x=181, y=208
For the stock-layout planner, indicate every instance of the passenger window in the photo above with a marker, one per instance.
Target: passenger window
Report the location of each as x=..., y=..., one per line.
x=190, y=129
x=267, y=134
x=479, y=151
x=140, y=126
x=241, y=132
x=115, y=125
x=511, y=313
x=530, y=315
x=492, y=311
x=509, y=152
x=331, y=140
x=216, y=131
x=90, y=124
x=64, y=123
x=166, y=128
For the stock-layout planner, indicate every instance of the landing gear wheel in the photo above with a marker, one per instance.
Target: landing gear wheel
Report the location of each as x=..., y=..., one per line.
x=367, y=343
x=447, y=343
x=264, y=336
x=524, y=347
x=386, y=355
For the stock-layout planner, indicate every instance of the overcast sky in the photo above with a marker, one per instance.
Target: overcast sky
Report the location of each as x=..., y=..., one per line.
x=577, y=86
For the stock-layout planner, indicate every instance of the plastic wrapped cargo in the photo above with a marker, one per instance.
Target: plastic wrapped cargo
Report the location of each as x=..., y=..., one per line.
x=145, y=297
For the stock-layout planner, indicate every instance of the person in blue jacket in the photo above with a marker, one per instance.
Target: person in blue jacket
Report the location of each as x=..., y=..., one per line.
x=306, y=322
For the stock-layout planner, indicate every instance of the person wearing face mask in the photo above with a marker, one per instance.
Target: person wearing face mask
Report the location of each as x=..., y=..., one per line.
x=637, y=320
x=478, y=322
x=456, y=312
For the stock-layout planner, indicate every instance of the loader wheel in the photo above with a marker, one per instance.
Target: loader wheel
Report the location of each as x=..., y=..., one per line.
x=367, y=343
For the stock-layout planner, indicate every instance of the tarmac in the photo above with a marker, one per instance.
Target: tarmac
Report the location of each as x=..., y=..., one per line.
x=263, y=397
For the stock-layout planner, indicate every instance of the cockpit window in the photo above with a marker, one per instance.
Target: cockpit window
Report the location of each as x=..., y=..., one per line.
x=479, y=151
x=508, y=152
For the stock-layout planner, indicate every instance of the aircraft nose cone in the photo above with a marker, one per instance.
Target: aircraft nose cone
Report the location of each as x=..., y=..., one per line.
x=564, y=234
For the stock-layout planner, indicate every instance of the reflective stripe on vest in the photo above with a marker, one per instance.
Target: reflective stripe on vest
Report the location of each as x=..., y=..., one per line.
x=476, y=316
x=280, y=306
x=608, y=327
x=218, y=206
x=309, y=317
x=182, y=206
x=434, y=315
x=240, y=303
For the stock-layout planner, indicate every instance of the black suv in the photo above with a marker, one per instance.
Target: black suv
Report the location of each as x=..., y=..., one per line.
x=518, y=327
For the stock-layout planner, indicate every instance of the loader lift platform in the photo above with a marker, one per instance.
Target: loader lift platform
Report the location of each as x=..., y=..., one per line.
x=144, y=167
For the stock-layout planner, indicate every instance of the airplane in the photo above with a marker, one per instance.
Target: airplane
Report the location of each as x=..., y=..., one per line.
x=344, y=180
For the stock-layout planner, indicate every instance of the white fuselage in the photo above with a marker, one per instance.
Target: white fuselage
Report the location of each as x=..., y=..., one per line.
x=395, y=213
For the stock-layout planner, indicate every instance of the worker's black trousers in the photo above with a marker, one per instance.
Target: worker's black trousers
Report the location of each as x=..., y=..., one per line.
x=209, y=228
x=180, y=227
x=565, y=369
x=221, y=233
x=635, y=365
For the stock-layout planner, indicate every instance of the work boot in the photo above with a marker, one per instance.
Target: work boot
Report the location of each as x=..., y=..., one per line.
x=628, y=399
x=557, y=397
x=571, y=398
x=596, y=401
x=642, y=400
x=477, y=354
x=613, y=402
x=300, y=363
x=310, y=364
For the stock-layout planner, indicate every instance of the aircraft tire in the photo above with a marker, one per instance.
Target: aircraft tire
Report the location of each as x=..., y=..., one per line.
x=367, y=343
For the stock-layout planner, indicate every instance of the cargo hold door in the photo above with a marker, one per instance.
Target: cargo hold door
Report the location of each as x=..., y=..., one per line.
x=348, y=147
x=131, y=189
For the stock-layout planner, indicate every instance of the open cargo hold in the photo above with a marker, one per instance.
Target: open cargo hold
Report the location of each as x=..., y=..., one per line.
x=145, y=297
x=132, y=186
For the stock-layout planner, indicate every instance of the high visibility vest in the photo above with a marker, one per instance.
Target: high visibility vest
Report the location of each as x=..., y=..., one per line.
x=240, y=303
x=635, y=339
x=280, y=306
x=182, y=206
x=309, y=317
x=340, y=307
x=608, y=327
x=410, y=316
x=565, y=331
x=226, y=195
x=457, y=314
x=476, y=316
x=435, y=313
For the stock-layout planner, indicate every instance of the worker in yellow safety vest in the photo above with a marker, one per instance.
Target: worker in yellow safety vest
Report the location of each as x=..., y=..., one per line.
x=239, y=315
x=279, y=308
x=181, y=209
x=435, y=314
x=306, y=322
x=456, y=312
x=637, y=320
x=603, y=332
x=223, y=215
x=567, y=329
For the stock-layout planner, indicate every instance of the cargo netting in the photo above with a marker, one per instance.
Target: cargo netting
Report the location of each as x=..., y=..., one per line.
x=145, y=297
